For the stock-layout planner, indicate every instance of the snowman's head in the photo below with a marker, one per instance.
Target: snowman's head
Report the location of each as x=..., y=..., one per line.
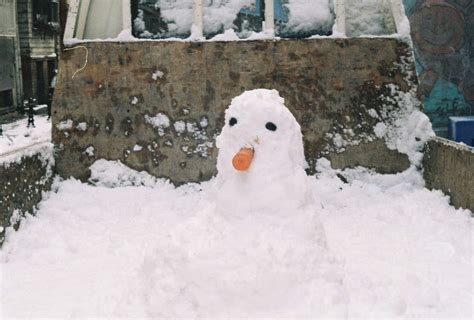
x=260, y=138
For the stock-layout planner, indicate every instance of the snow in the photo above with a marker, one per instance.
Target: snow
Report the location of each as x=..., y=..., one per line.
x=82, y=126
x=407, y=128
x=160, y=121
x=220, y=15
x=278, y=156
x=137, y=148
x=89, y=151
x=380, y=129
x=267, y=242
x=309, y=15
x=65, y=125
x=369, y=17
x=16, y=136
x=131, y=245
x=227, y=35
x=363, y=18
x=157, y=75
x=204, y=122
x=217, y=16
x=401, y=124
x=373, y=113
x=180, y=126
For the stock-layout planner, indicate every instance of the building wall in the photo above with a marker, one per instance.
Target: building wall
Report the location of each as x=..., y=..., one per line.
x=10, y=70
x=34, y=43
x=443, y=37
x=37, y=51
x=7, y=18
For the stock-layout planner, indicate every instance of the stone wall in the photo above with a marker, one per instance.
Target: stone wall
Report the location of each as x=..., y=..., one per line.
x=24, y=176
x=449, y=167
x=157, y=106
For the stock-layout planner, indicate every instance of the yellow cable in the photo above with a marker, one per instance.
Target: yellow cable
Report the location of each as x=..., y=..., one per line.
x=85, y=63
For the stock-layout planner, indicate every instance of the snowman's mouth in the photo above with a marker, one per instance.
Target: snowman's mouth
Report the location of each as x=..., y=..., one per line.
x=243, y=159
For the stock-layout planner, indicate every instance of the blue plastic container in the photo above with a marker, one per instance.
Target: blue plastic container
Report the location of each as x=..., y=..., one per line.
x=461, y=129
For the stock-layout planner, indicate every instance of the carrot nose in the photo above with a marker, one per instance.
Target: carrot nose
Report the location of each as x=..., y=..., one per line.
x=242, y=159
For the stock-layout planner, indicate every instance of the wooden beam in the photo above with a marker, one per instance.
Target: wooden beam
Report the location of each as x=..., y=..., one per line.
x=73, y=11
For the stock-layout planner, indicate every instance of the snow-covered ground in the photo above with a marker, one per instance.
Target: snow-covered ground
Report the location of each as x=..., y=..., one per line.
x=16, y=135
x=260, y=240
x=130, y=245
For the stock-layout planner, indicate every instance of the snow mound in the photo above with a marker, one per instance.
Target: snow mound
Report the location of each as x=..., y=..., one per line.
x=405, y=248
x=266, y=242
x=217, y=266
x=407, y=129
x=247, y=252
x=114, y=174
x=398, y=250
x=307, y=17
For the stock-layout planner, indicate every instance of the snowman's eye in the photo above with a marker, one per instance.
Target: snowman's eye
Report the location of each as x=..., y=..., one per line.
x=271, y=126
x=232, y=121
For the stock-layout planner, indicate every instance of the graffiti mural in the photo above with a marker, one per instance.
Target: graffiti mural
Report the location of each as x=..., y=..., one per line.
x=443, y=37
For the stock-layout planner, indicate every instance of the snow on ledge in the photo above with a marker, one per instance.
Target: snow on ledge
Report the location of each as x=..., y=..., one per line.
x=230, y=36
x=45, y=150
x=19, y=141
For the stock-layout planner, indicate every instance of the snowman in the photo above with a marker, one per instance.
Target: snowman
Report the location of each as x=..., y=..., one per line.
x=261, y=163
x=257, y=249
x=261, y=159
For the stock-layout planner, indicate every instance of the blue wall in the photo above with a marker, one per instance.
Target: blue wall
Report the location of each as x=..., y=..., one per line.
x=443, y=37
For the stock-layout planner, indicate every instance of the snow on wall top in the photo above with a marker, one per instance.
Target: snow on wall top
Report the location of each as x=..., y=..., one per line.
x=18, y=140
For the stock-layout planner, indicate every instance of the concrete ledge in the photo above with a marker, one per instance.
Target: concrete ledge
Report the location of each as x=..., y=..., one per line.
x=449, y=167
x=24, y=176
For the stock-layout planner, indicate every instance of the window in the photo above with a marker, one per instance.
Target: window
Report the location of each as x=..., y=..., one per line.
x=291, y=18
x=45, y=15
x=171, y=18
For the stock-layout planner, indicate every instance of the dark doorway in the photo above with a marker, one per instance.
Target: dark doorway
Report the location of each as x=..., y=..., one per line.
x=6, y=101
x=51, y=70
